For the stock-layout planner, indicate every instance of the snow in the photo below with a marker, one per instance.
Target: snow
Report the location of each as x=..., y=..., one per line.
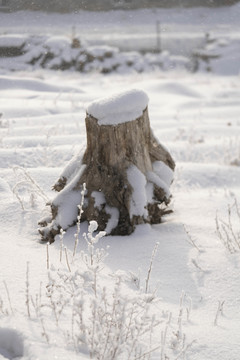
x=100, y=200
x=119, y=108
x=12, y=40
x=113, y=220
x=70, y=170
x=193, y=274
x=163, y=171
x=101, y=50
x=67, y=214
x=30, y=84
x=155, y=179
x=11, y=344
x=223, y=56
x=139, y=197
x=58, y=52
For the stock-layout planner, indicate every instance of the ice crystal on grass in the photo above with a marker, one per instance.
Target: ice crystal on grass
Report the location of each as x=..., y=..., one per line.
x=26, y=189
x=228, y=229
x=104, y=319
x=95, y=312
x=98, y=314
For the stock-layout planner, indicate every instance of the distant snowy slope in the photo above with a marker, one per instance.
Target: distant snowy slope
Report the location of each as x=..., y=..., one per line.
x=180, y=29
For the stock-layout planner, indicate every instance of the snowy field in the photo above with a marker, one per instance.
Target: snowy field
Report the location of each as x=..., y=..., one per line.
x=168, y=291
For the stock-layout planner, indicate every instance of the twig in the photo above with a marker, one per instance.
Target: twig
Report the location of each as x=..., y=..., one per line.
x=8, y=296
x=31, y=180
x=61, y=243
x=44, y=333
x=14, y=190
x=66, y=254
x=80, y=207
x=146, y=353
x=150, y=266
x=27, y=291
x=219, y=311
x=48, y=256
x=183, y=352
x=163, y=341
x=190, y=239
x=196, y=264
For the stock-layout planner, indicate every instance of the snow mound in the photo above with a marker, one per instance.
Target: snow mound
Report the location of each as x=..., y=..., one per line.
x=29, y=84
x=219, y=56
x=11, y=344
x=119, y=108
x=12, y=40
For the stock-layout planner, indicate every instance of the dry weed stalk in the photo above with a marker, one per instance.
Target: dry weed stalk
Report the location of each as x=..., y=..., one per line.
x=219, y=312
x=226, y=231
x=190, y=238
x=105, y=322
x=26, y=183
x=8, y=296
x=3, y=311
x=47, y=247
x=61, y=243
x=27, y=291
x=80, y=208
x=151, y=266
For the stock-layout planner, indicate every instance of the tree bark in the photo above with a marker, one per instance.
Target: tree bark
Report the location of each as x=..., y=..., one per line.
x=127, y=173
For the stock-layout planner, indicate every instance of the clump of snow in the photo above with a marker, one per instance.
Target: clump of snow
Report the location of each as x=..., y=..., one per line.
x=68, y=209
x=12, y=40
x=143, y=186
x=57, y=42
x=119, y=108
x=163, y=171
x=154, y=178
x=139, y=197
x=71, y=199
x=93, y=225
x=72, y=167
x=100, y=200
x=150, y=191
x=113, y=220
x=102, y=50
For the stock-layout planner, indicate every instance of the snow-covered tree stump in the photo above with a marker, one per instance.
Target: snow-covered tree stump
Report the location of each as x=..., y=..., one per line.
x=127, y=172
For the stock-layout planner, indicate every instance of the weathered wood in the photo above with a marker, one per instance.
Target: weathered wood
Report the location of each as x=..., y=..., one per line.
x=114, y=154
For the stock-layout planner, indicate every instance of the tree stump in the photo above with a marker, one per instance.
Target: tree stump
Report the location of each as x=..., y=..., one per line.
x=127, y=172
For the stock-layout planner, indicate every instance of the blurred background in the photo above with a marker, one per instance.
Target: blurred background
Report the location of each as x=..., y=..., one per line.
x=74, y=5
x=120, y=35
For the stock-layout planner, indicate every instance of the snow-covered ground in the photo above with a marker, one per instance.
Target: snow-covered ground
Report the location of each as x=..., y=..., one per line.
x=192, y=287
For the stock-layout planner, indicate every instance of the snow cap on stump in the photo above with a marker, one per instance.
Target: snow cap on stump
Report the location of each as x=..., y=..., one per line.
x=119, y=108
